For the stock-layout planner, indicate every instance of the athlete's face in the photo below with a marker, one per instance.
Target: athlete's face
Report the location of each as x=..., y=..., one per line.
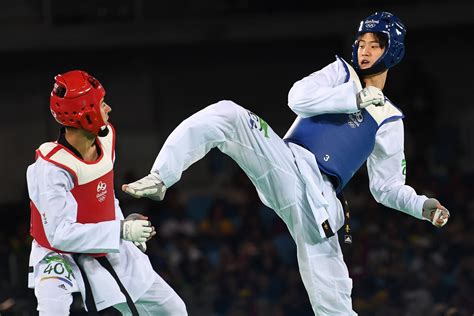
x=369, y=50
x=105, y=109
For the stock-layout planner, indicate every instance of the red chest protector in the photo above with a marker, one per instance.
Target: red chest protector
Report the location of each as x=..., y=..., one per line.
x=93, y=185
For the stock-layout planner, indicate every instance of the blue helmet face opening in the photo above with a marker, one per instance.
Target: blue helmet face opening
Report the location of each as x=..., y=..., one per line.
x=393, y=28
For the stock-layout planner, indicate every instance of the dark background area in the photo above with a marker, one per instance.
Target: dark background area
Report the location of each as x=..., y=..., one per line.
x=217, y=246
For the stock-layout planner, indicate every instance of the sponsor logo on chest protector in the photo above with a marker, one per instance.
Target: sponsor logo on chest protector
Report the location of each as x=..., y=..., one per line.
x=355, y=119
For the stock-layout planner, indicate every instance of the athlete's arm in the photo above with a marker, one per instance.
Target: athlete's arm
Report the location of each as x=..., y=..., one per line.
x=324, y=91
x=387, y=168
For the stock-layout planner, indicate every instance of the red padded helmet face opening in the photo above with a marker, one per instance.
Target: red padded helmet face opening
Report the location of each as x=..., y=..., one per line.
x=76, y=99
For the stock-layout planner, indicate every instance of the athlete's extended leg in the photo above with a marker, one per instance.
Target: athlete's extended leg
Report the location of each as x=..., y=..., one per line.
x=240, y=134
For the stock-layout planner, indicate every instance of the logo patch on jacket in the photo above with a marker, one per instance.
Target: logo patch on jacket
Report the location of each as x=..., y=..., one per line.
x=256, y=122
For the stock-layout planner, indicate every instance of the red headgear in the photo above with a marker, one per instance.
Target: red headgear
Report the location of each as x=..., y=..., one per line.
x=76, y=100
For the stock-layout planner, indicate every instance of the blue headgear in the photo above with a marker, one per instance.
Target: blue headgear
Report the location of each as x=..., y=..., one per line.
x=389, y=24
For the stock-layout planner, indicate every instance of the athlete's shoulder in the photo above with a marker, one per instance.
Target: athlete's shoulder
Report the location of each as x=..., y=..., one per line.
x=396, y=109
x=45, y=148
x=386, y=113
x=45, y=173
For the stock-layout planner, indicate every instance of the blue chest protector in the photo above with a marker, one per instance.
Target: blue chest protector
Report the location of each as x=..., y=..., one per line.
x=342, y=142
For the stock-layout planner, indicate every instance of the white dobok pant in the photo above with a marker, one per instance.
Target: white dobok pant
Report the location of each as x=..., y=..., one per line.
x=284, y=183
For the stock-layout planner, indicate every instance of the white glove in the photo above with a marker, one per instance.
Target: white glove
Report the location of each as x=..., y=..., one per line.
x=136, y=230
x=141, y=245
x=150, y=186
x=368, y=96
x=434, y=212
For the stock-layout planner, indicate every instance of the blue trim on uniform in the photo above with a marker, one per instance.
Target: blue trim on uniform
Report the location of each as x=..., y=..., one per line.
x=348, y=74
x=390, y=119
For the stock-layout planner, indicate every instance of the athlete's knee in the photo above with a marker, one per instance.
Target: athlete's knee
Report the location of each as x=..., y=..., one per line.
x=52, y=302
x=334, y=296
x=53, y=307
x=225, y=108
x=54, y=296
x=224, y=105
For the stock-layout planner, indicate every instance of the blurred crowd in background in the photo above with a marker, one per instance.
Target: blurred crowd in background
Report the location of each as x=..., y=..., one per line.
x=217, y=245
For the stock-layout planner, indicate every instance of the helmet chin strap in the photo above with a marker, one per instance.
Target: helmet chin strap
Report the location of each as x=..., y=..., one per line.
x=376, y=69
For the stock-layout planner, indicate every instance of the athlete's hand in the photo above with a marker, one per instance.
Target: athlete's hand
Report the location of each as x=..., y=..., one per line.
x=137, y=230
x=368, y=96
x=434, y=212
x=141, y=245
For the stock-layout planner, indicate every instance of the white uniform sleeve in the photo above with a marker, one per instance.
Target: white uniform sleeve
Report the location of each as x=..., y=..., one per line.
x=118, y=210
x=324, y=91
x=49, y=189
x=386, y=171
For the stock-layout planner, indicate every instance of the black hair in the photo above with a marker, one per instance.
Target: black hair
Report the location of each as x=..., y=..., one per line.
x=382, y=38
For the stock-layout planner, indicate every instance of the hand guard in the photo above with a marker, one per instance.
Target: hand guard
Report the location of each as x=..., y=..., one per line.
x=434, y=212
x=368, y=96
x=136, y=230
x=150, y=186
x=141, y=245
